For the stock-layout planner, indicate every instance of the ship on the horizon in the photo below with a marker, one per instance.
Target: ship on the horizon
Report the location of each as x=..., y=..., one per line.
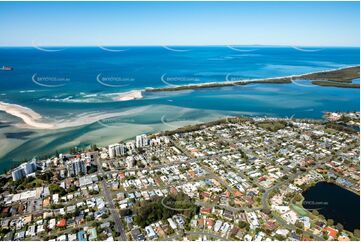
x=6, y=68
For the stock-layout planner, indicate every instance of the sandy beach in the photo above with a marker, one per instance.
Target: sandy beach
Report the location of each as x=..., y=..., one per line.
x=127, y=96
x=29, y=117
x=33, y=119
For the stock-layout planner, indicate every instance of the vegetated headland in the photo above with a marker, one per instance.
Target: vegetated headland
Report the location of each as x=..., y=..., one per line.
x=336, y=78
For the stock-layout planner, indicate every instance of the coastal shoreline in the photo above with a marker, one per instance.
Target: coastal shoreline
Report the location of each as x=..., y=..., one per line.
x=34, y=120
x=218, y=121
x=340, y=77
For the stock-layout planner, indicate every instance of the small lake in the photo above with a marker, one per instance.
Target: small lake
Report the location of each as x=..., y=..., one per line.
x=334, y=202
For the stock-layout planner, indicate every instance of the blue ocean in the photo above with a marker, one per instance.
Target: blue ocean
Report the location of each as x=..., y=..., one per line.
x=85, y=84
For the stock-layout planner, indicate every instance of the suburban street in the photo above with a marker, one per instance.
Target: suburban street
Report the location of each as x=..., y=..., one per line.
x=109, y=200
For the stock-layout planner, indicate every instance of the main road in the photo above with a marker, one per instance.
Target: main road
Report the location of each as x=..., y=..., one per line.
x=108, y=197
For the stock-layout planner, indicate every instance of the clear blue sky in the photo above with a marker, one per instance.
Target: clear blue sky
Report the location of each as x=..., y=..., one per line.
x=179, y=23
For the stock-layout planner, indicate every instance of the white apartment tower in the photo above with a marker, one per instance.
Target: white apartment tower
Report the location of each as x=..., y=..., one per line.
x=111, y=151
x=141, y=140
x=75, y=167
x=24, y=169
x=116, y=150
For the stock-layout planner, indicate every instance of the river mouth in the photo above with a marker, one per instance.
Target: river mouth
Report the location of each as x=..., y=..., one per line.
x=334, y=202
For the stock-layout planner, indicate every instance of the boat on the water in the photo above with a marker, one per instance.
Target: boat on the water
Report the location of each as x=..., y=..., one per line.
x=6, y=68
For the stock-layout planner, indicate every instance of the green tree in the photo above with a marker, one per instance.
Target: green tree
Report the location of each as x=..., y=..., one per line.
x=339, y=226
x=243, y=224
x=298, y=197
x=54, y=188
x=315, y=212
x=356, y=233
x=330, y=222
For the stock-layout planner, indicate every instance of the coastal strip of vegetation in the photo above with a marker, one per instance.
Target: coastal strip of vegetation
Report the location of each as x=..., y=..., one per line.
x=280, y=80
x=336, y=84
x=337, y=78
x=340, y=75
